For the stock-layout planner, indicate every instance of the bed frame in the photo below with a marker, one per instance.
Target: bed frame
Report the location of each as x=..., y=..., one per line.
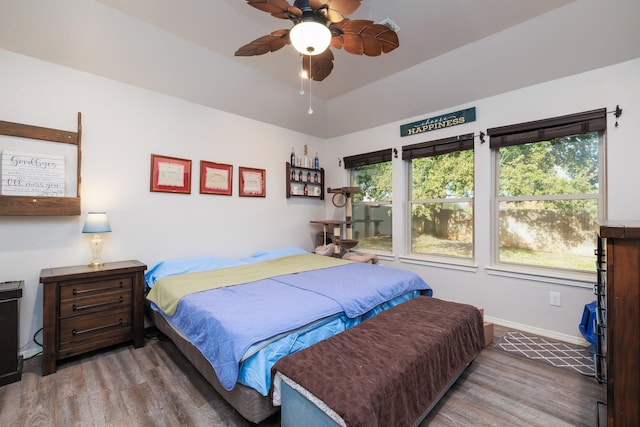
x=248, y=402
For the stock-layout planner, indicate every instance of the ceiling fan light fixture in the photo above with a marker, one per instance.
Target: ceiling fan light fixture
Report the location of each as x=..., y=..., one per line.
x=316, y=27
x=310, y=37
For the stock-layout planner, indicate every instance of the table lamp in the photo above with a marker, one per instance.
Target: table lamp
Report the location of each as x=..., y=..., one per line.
x=96, y=223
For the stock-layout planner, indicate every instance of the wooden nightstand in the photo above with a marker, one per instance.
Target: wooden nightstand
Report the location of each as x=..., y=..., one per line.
x=88, y=308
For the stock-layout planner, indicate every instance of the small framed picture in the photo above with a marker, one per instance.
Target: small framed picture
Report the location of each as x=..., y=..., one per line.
x=170, y=174
x=252, y=182
x=215, y=178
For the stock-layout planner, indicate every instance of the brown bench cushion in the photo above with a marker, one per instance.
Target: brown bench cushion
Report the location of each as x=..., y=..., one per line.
x=389, y=369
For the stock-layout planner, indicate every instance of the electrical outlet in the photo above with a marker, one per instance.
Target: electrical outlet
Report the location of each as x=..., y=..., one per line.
x=555, y=298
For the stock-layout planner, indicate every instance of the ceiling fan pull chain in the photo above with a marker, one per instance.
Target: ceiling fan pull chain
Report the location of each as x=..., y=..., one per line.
x=310, y=110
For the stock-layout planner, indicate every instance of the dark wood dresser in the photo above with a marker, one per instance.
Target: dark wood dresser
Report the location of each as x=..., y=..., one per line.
x=622, y=324
x=87, y=308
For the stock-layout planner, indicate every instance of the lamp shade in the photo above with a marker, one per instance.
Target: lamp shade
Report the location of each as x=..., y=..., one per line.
x=310, y=37
x=96, y=222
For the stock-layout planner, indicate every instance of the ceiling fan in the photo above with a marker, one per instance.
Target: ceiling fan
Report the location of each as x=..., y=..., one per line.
x=358, y=36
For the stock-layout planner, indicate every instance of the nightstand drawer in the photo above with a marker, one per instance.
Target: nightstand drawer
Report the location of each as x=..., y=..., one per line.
x=83, y=333
x=86, y=289
x=96, y=301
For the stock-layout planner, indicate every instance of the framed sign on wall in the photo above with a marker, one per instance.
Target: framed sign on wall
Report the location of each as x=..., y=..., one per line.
x=252, y=182
x=170, y=174
x=215, y=178
x=40, y=170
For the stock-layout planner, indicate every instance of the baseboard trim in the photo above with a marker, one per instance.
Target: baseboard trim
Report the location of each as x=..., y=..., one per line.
x=29, y=353
x=538, y=331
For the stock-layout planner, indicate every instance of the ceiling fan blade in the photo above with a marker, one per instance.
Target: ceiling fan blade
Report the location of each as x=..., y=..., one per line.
x=345, y=7
x=364, y=37
x=321, y=65
x=334, y=10
x=388, y=38
x=337, y=41
x=265, y=44
x=278, y=8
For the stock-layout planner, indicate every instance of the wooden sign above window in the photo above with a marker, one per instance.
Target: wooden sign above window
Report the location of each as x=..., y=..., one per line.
x=439, y=122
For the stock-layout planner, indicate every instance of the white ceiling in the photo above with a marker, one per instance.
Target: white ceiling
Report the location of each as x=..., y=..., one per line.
x=451, y=53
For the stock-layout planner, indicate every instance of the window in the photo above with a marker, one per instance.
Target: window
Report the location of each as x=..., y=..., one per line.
x=548, y=191
x=371, y=214
x=441, y=196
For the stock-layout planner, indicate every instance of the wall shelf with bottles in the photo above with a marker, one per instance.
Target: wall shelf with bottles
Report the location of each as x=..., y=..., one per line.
x=304, y=182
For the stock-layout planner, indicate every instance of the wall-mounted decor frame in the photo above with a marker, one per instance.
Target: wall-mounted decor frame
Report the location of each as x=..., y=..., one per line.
x=252, y=182
x=38, y=140
x=170, y=174
x=215, y=178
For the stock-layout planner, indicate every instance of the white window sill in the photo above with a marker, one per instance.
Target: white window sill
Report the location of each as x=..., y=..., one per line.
x=578, y=279
x=448, y=263
x=383, y=255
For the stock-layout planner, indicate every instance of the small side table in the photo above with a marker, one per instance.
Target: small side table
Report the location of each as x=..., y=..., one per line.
x=86, y=308
x=10, y=361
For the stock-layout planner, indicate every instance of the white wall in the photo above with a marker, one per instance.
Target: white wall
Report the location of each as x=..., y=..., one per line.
x=122, y=126
x=509, y=300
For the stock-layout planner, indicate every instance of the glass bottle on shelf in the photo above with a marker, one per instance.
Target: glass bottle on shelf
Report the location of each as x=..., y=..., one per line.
x=293, y=174
x=308, y=176
x=316, y=162
x=293, y=157
x=306, y=159
x=306, y=190
x=299, y=175
x=315, y=177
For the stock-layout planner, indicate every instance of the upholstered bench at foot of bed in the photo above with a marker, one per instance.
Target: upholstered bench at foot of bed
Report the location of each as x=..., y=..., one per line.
x=388, y=370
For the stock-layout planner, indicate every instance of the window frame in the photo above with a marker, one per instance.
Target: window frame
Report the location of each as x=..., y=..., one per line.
x=365, y=159
x=540, y=131
x=434, y=148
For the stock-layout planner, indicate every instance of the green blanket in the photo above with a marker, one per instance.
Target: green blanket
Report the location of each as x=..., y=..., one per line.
x=168, y=291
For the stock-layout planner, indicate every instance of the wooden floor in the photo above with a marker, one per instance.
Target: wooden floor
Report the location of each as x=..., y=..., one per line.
x=156, y=386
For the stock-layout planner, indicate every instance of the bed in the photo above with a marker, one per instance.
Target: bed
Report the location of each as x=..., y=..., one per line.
x=235, y=318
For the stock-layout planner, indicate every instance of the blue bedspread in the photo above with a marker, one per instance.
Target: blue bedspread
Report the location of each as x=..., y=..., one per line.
x=357, y=287
x=224, y=323
x=255, y=369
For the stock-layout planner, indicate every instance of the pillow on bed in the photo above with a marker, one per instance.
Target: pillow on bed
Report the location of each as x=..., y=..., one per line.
x=273, y=254
x=187, y=265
